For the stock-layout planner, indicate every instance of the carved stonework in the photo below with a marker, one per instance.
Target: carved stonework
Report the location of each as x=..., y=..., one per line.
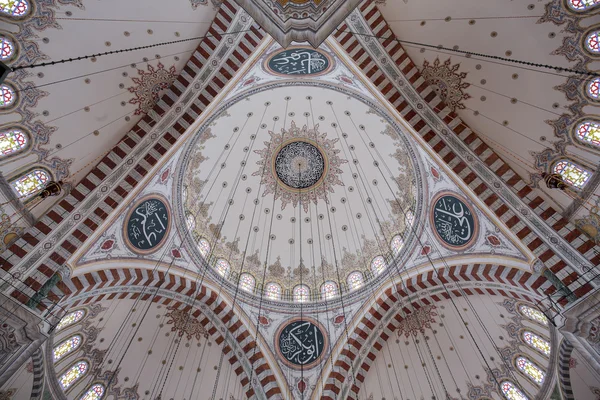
x=299, y=20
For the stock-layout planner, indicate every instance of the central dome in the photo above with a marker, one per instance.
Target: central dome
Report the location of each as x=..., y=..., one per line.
x=298, y=193
x=299, y=164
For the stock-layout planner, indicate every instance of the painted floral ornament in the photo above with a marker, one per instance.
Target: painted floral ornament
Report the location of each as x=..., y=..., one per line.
x=447, y=82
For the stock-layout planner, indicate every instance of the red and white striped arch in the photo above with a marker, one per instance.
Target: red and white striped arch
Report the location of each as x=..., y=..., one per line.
x=139, y=283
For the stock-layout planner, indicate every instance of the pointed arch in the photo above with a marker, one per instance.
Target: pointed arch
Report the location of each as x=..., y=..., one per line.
x=66, y=347
x=94, y=393
x=70, y=319
x=530, y=369
x=73, y=374
x=512, y=392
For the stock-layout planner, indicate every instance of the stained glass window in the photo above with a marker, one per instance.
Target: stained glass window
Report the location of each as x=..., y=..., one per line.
x=247, y=282
x=397, y=243
x=204, y=247
x=588, y=132
x=580, y=5
x=378, y=265
x=7, y=48
x=593, y=89
x=533, y=314
x=572, y=173
x=73, y=374
x=592, y=41
x=30, y=183
x=7, y=96
x=222, y=267
x=355, y=280
x=511, y=392
x=11, y=141
x=70, y=319
x=95, y=393
x=66, y=347
x=15, y=8
x=537, y=342
x=301, y=293
x=530, y=369
x=273, y=291
x=329, y=290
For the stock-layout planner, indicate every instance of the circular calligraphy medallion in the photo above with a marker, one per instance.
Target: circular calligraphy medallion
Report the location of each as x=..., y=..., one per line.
x=454, y=222
x=299, y=165
x=147, y=225
x=299, y=61
x=301, y=343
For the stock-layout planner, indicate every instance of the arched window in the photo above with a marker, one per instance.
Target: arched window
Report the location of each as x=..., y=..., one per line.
x=572, y=173
x=592, y=42
x=301, y=293
x=95, y=393
x=329, y=290
x=247, y=282
x=66, y=347
x=397, y=243
x=222, y=267
x=530, y=369
x=15, y=8
x=588, y=132
x=12, y=141
x=355, y=280
x=537, y=342
x=75, y=372
x=70, y=319
x=511, y=392
x=581, y=5
x=7, y=96
x=204, y=247
x=593, y=89
x=273, y=291
x=378, y=265
x=533, y=314
x=30, y=183
x=7, y=49
x=190, y=221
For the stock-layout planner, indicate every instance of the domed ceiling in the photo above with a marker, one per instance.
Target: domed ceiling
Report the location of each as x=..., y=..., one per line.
x=312, y=183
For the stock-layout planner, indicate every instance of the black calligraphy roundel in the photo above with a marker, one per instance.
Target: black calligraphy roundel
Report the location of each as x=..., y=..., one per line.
x=301, y=343
x=147, y=225
x=299, y=61
x=299, y=165
x=453, y=221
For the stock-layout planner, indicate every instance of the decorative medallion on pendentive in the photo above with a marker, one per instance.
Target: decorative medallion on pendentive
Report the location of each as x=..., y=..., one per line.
x=301, y=343
x=299, y=61
x=453, y=221
x=147, y=225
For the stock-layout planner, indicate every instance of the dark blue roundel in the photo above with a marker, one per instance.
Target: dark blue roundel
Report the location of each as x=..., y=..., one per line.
x=453, y=221
x=148, y=224
x=301, y=343
x=299, y=61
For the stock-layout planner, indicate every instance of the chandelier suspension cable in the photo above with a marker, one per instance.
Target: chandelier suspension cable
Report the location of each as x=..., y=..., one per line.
x=384, y=250
x=482, y=55
x=463, y=293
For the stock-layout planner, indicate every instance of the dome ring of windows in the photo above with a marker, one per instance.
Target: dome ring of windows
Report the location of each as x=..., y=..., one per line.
x=9, y=48
x=573, y=174
x=16, y=10
x=9, y=98
x=535, y=341
x=28, y=184
x=529, y=369
x=591, y=41
x=592, y=89
x=586, y=132
x=582, y=6
x=14, y=140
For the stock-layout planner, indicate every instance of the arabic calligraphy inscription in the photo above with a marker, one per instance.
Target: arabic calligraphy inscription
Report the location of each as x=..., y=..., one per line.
x=301, y=343
x=453, y=221
x=299, y=61
x=147, y=225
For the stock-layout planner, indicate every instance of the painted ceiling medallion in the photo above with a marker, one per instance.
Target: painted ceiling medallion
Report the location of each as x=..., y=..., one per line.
x=299, y=20
x=149, y=86
x=147, y=225
x=453, y=221
x=299, y=165
x=299, y=61
x=301, y=343
x=447, y=82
